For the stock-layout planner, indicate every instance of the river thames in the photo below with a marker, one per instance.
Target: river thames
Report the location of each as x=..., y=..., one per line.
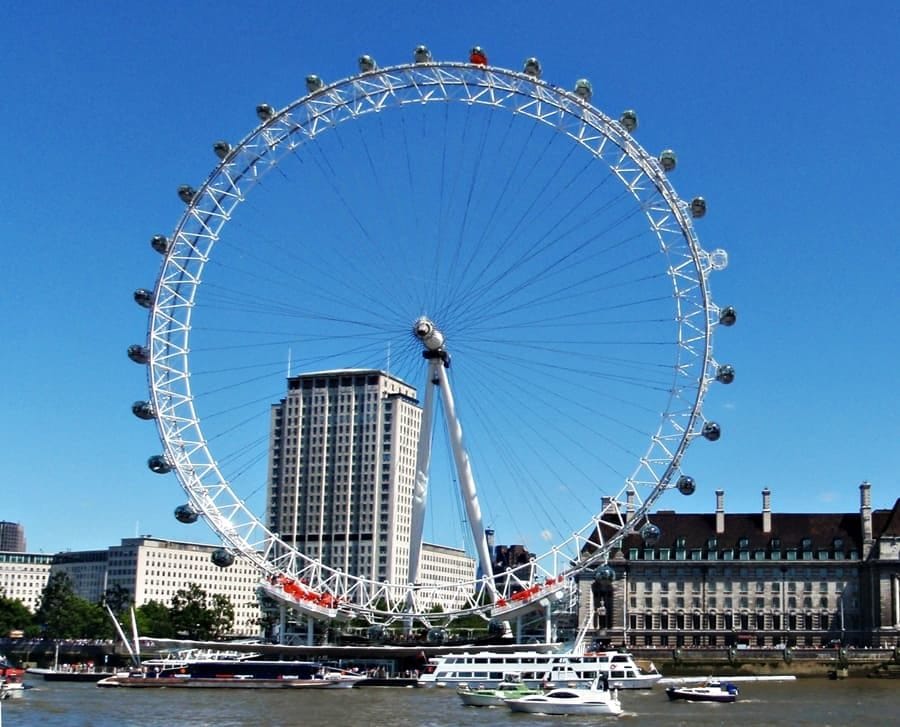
x=816, y=702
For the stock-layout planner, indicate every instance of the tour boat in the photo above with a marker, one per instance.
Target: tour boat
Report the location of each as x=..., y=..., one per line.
x=598, y=700
x=537, y=669
x=235, y=673
x=712, y=691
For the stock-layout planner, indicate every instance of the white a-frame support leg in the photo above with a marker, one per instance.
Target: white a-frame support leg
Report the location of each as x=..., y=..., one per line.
x=438, y=362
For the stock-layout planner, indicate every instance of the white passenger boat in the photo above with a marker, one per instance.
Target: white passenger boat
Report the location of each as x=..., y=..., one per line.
x=537, y=669
x=597, y=700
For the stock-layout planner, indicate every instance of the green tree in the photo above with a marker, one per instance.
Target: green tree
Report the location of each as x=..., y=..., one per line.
x=14, y=616
x=64, y=615
x=197, y=616
x=223, y=615
x=118, y=598
x=155, y=619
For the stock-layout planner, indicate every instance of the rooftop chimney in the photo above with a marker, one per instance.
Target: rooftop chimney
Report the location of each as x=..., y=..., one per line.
x=720, y=512
x=865, y=516
x=629, y=509
x=767, y=511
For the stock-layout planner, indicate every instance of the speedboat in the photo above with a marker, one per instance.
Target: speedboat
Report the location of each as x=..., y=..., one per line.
x=599, y=699
x=10, y=679
x=509, y=688
x=712, y=691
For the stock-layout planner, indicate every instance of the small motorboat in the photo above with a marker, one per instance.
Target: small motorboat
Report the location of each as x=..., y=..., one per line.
x=512, y=687
x=712, y=691
x=599, y=699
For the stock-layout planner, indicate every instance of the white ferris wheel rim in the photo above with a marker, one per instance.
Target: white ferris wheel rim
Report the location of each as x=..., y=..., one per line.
x=179, y=425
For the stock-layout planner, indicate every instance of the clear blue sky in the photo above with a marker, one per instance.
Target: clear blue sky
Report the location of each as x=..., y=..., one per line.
x=784, y=116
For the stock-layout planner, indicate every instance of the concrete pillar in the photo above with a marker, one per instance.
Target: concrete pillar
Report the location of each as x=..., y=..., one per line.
x=895, y=598
x=865, y=515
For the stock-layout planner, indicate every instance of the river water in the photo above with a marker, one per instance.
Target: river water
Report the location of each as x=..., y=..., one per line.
x=814, y=702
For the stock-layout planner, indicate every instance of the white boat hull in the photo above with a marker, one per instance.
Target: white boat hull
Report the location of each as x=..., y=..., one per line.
x=548, y=704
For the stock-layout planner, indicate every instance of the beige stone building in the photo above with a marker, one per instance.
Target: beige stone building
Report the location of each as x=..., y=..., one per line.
x=755, y=579
x=23, y=576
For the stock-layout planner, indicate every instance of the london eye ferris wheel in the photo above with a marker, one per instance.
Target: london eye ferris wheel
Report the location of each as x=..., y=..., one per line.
x=490, y=239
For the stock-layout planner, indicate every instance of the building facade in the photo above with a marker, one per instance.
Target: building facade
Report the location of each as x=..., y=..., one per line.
x=759, y=579
x=341, y=470
x=23, y=576
x=86, y=570
x=12, y=537
x=441, y=564
x=152, y=569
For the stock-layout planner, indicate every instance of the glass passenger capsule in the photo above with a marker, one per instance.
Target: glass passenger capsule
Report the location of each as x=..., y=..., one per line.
x=143, y=297
x=264, y=112
x=686, y=485
x=629, y=120
x=583, y=89
x=186, y=193
x=222, y=558
x=160, y=243
x=222, y=149
x=159, y=464
x=667, y=160
x=367, y=63
x=605, y=573
x=728, y=316
x=138, y=353
x=650, y=534
x=698, y=207
x=478, y=56
x=314, y=83
x=143, y=410
x=725, y=374
x=532, y=67
x=186, y=514
x=712, y=431
x=422, y=54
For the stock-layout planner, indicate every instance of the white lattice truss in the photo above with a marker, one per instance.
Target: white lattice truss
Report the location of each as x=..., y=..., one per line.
x=287, y=133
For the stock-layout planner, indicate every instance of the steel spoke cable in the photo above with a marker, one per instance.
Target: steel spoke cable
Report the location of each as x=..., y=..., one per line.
x=498, y=442
x=548, y=266
x=504, y=277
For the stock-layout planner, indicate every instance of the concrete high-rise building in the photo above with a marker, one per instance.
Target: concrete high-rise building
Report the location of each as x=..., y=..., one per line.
x=23, y=576
x=12, y=537
x=86, y=570
x=342, y=468
x=153, y=569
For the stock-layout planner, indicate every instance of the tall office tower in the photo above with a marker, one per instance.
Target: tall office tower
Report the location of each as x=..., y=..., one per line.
x=12, y=537
x=342, y=460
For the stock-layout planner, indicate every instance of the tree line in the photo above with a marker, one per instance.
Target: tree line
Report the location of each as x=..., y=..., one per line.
x=62, y=614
